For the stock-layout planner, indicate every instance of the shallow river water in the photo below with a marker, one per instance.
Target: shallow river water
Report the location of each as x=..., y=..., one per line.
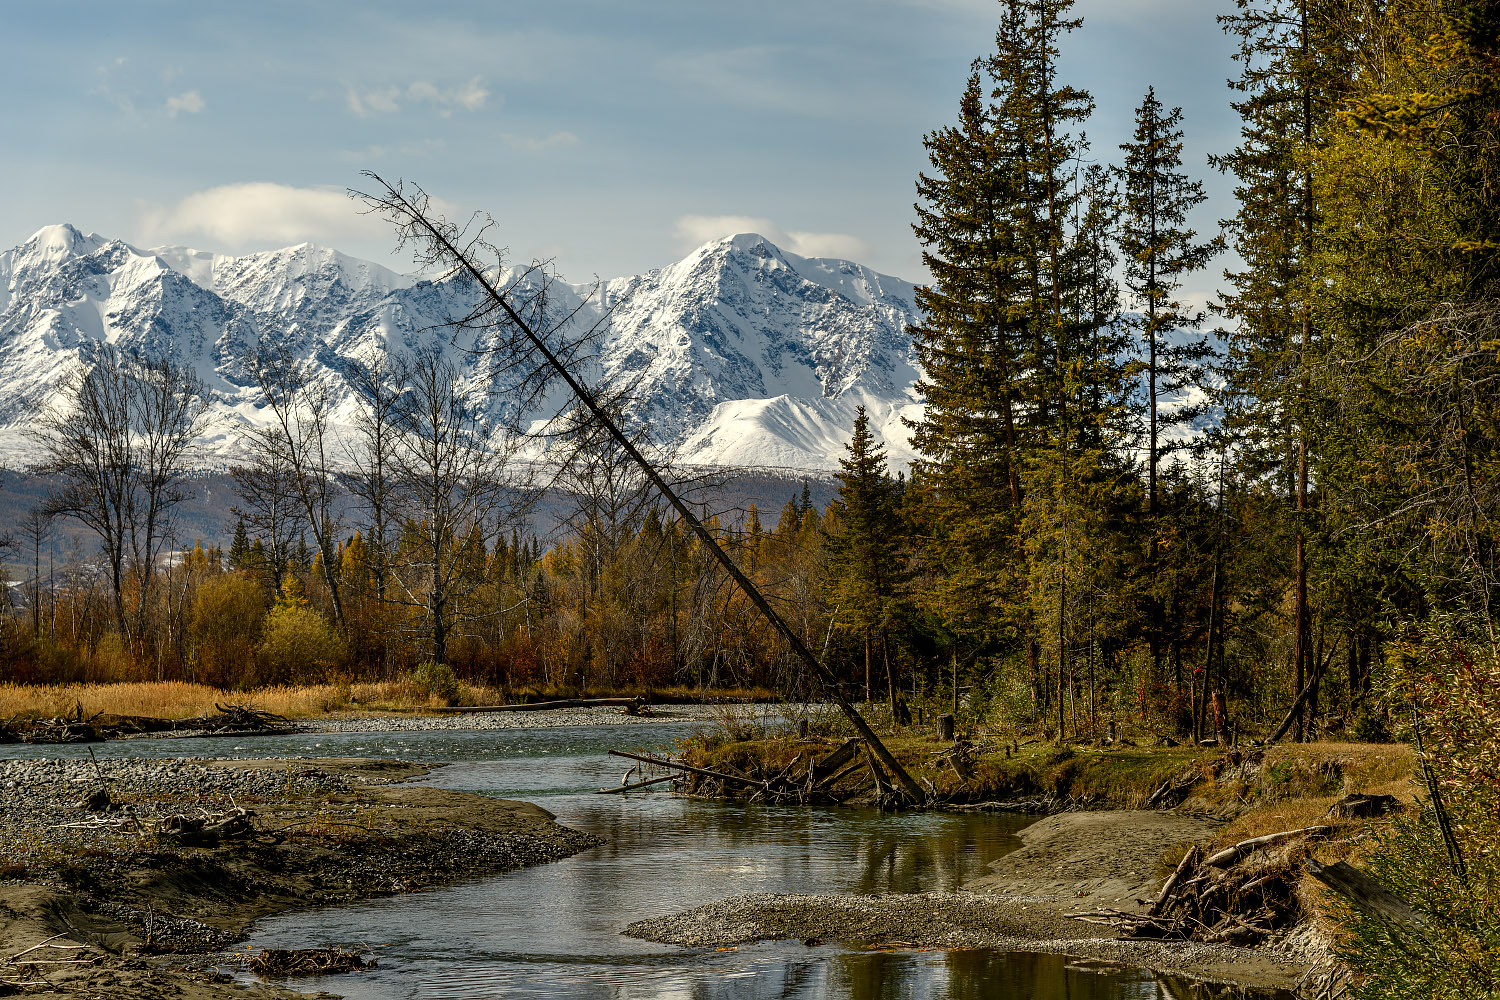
x=554, y=930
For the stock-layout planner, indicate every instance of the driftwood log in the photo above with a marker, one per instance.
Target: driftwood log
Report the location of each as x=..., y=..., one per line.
x=1230, y=855
x=632, y=786
x=1369, y=895
x=631, y=705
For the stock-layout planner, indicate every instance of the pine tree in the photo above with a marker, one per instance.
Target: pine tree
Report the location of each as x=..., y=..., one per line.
x=1293, y=62
x=1160, y=251
x=865, y=565
x=239, y=549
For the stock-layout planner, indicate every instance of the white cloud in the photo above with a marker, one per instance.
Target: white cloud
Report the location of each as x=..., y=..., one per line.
x=694, y=230
x=470, y=96
x=535, y=144
x=697, y=229
x=189, y=102
x=260, y=213
x=827, y=245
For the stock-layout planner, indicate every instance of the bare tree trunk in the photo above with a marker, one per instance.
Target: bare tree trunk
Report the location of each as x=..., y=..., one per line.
x=411, y=216
x=868, y=697
x=301, y=410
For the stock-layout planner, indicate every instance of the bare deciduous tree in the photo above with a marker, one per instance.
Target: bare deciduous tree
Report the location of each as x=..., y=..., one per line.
x=269, y=504
x=458, y=488
x=371, y=454
x=117, y=440
x=36, y=530
x=299, y=434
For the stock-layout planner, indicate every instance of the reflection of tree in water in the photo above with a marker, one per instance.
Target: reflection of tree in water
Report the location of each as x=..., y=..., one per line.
x=930, y=859
x=877, y=976
x=992, y=975
x=786, y=980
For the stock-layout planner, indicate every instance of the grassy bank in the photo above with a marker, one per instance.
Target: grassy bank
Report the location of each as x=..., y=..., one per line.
x=1258, y=791
x=180, y=700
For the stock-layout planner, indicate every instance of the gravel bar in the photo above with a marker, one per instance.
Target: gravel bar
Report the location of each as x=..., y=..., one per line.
x=952, y=920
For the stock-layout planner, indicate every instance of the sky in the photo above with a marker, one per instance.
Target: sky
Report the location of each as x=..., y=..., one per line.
x=610, y=136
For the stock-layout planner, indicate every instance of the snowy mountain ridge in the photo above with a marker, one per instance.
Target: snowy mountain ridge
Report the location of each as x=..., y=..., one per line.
x=740, y=353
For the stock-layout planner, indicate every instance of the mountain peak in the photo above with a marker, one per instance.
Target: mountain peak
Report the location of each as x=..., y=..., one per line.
x=749, y=241
x=53, y=243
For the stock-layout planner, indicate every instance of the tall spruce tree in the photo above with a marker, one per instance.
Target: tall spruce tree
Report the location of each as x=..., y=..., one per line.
x=865, y=569
x=1000, y=339
x=977, y=362
x=1160, y=251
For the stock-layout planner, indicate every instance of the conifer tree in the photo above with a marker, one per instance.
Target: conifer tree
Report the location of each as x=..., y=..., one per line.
x=865, y=567
x=1293, y=62
x=1160, y=251
x=239, y=549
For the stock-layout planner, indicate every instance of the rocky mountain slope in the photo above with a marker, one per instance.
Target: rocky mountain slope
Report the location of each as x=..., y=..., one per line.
x=740, y=354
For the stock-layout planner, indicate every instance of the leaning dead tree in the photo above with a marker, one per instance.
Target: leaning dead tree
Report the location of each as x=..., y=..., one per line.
x=472, y=261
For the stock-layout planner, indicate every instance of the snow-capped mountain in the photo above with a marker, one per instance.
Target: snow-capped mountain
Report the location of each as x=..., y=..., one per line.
x=739, y=354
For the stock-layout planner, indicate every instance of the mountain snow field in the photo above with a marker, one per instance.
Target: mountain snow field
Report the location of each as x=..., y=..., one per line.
x=739, y=354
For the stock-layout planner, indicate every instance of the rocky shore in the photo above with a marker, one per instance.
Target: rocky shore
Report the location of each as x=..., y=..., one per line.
x=148, y=869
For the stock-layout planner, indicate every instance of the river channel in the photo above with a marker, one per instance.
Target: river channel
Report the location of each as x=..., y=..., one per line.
x=554, y=930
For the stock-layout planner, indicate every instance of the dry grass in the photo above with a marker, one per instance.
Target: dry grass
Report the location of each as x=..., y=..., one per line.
x=181, y=700
x=1299, y=782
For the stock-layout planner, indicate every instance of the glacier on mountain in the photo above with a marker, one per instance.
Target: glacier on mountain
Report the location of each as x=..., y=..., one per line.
x=739, y=354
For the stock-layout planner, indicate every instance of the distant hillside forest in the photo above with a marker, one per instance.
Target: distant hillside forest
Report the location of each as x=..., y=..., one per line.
x=1301, y=543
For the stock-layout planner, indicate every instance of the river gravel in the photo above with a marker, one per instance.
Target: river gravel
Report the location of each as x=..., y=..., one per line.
x=547, y=719
x=39, y=794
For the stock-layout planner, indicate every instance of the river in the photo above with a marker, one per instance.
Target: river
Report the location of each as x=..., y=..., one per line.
x=554, y=930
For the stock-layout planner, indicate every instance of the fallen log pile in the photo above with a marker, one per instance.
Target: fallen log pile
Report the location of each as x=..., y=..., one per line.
x=197, y=826
x=1240, y=895
x=283, y=963
x=75, y=727
x=805, y=780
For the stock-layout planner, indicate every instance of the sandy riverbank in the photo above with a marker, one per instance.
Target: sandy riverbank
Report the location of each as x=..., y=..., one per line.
x=325, y=832
x=1068, y=863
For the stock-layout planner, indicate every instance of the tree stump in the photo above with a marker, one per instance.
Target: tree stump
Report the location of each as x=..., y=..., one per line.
x=945, y=728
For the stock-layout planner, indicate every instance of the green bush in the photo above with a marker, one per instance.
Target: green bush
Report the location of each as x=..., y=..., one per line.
x=1460, y=955
x=1372, y=727
x=436, y=680
x=298, y=647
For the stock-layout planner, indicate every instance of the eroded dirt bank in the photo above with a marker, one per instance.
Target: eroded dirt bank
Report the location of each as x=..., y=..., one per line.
x=1068, y=863
x=324, y=831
